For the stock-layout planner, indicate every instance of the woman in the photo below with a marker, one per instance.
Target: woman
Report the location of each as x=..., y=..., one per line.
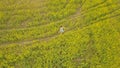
x=61, y=29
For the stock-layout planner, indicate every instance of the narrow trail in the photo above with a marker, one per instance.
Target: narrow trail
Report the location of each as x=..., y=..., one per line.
x=47, y=38
x=57, y=34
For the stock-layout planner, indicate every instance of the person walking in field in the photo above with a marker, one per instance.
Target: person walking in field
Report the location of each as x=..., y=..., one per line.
x=61, y=29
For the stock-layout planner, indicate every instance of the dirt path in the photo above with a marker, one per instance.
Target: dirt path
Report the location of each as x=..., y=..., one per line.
x=56, y=34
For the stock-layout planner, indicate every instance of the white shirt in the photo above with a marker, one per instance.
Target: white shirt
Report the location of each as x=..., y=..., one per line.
x=61, y=29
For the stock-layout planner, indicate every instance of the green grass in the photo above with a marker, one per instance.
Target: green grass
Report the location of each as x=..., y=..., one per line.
x=29, y=35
